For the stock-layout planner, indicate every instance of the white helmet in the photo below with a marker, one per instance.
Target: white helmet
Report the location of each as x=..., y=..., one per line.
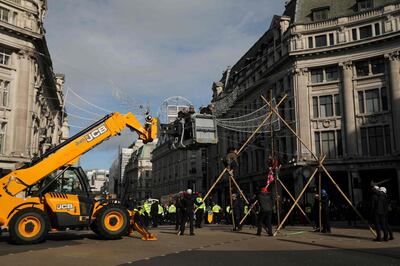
x=189, y=191
x=382, y=189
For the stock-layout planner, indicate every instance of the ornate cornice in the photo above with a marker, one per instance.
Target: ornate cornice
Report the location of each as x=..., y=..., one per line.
x=393, y=56
x=346, y=65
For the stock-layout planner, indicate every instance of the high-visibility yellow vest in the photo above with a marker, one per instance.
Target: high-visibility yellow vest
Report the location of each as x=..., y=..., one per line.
x=203, y=205
x=147, y=207
x=246, y=209
x=160, y=209
x=216, y=208
x=172, y=209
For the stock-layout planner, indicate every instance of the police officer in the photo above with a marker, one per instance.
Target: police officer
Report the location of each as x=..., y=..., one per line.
x=200, y=210
x=386, y=210
x=188, y=201
x=237, y=211
x=326, y=225
x=172, y=212
x=154, y=213
x=146, y=211
x=216, y=209
x=378, y=213
x=266, y=203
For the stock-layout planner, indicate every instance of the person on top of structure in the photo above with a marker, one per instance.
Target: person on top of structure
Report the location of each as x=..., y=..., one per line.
x=231, y=160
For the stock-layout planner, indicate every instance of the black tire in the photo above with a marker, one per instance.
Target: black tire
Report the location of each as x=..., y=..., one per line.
x=28, y=220
x=112, y=222
x=93, y=227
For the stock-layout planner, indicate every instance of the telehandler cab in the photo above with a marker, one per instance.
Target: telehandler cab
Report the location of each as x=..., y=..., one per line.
x=49, y=193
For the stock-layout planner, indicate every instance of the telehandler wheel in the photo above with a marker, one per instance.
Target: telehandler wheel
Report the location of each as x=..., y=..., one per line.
x=28, y=226
x=112, y=221
x=93, y=227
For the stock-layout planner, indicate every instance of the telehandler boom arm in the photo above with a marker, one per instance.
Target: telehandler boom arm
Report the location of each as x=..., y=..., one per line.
x=70, y=150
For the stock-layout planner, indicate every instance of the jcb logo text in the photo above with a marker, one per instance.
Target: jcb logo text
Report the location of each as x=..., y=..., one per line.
x=64, y=206
x=96, y=133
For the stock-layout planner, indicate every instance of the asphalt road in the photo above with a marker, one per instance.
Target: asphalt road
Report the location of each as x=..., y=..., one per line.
x=214, y=245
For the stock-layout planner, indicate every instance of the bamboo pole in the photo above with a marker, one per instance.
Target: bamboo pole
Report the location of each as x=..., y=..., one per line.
x=243, y=146
x=230, y=196
x=240, y=191
x=319, y=203
x=296, y=202
x=291, y=196
x=320, y=165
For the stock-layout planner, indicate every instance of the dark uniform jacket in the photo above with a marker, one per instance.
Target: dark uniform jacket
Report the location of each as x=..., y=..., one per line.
x=378, y=204
x=266, y=201
x=187, y=203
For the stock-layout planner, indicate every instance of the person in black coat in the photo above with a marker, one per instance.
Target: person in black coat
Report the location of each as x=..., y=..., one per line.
x=178, y=218
x=386, y=210
x=154, y=213
x=187, y=202
x=266, y=203
x=378, y=214
x=238, y=208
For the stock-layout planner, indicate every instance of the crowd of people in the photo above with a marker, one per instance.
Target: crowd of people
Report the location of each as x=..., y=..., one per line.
x=263, y=210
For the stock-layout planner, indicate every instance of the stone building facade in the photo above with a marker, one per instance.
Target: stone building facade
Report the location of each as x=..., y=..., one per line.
x=32, y=117
x=176, y=170
x=139, y=171
x=338, y=63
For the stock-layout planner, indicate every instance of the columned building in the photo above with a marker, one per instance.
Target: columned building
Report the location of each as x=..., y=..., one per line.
x=338, y=64
x=176, y=170
x=139, y=171
x=32, y=117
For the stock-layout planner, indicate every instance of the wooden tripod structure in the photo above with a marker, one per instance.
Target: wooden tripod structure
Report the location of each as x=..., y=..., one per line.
x=230, y=172
x=320, y=166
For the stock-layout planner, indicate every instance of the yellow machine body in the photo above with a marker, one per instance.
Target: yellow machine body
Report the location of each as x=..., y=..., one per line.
x=64, y=209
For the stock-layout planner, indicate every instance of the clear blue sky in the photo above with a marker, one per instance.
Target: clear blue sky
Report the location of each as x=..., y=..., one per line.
x=146, y=50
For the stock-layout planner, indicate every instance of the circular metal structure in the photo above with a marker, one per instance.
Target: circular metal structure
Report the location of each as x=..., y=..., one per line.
x=169, y=108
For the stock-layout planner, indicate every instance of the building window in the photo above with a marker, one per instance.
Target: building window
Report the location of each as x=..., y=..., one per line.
x=326, y=106
x=329, y=143
x=3, y=126
x=320, y=75
x=377, y=29
x=310, y=42
x=321, y=41
x=320, y=14
x=373, y=101
x=331, y=73
x=362, y=68
x=331, y=39
x=365, y=31
x=4, y=93
x=5, y=55
x=317, y=75
x=4, y=14
x=377, y=66
x=364, y=5
x=375, y=141
x=354, y=34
